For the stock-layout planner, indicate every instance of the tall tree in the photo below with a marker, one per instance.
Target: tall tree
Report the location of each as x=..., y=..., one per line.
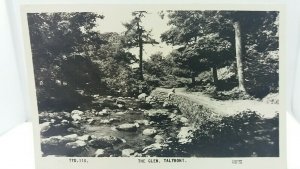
x=246, y=25
x=137, y=36
x=211, y=34
x=239, y=55
x=58, y=42
x=199, y=35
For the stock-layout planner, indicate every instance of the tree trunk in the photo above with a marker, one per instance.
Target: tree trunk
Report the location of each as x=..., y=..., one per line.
x=193, y=80
x=239, y=55
x=215, y=75
x=193, y=76
x=141, y=58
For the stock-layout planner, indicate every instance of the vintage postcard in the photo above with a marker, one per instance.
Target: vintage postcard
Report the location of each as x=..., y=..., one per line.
x=156, y=86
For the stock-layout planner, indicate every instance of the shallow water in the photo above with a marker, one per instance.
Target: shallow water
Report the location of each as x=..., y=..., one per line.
x=134, y=139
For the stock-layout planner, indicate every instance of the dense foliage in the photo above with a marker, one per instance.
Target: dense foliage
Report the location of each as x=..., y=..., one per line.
x=73, y=60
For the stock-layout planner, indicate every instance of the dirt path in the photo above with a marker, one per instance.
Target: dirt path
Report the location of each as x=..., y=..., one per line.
x=228, y=107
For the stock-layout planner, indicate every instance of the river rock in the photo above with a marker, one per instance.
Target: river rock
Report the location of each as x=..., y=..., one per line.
x=159, y=139
x=150, y=99
x=66, y=114
x=114, y=128
x=149, y=132
x=142, y=122
x=157, y=114
x=136, y=154
x=184, y=120
x=142, y=96
x=54, y=141
x=104, y=141
x=52, y=121
x=173, y=117
x=128, y=127
x=113, y=120
x=76, y=117
x=77, y=112
x=85, y=138
x=105, y=121
x=127, y=152
x=153, y=148
x=71, y=137
x=167, y=105
x=120, y=106
x=91, y=121
x=72, y=130
x=65, y=122
x=100, y=153
x=76, y=146
x=185, y=134
x=109, y=121
x=120, y=113
x=103, y=112
x=120, y=100
x=99, y=143
x=44, y=127
x=144, y=105
x=110, y=103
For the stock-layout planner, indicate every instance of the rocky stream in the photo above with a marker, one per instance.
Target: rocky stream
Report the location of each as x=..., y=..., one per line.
x=115, y=126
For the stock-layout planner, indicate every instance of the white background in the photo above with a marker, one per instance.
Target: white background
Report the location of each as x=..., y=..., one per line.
x=16, y=146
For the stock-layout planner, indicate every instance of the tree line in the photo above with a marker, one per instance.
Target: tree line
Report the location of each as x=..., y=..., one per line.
x=73, y=60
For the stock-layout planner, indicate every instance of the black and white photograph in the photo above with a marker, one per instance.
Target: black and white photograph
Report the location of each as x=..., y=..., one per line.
x=157, y=83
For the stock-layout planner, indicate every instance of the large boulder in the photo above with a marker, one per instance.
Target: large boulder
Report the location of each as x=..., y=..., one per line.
x=128, y=127
x=149, y=132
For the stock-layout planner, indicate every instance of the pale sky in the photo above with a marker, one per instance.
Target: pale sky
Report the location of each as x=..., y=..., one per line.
x=113, y=20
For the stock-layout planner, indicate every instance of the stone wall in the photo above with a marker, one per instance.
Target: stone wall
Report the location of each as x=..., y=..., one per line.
x=196, y=113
